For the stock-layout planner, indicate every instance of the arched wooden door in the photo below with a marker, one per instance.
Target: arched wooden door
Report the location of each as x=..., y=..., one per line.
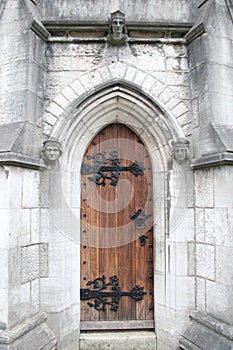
x=116, y=232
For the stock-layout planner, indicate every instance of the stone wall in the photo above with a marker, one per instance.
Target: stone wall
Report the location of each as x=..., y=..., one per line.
x=61, y=78
x=167, y=83
x=24, y=260
x=88, y=66
x=148, y=10
x=21, y=56
x=20, y=213
x=211, y=76
x=213, y=247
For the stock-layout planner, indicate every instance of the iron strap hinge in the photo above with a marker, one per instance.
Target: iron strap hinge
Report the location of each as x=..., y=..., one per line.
x=101, y=297
x=103, y=171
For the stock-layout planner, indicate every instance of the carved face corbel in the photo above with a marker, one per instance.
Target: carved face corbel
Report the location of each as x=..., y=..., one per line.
x=117, y=32
x=51, y=152
x=181, y=150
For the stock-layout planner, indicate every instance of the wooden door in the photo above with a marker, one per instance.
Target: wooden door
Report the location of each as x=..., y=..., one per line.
x=116, y=232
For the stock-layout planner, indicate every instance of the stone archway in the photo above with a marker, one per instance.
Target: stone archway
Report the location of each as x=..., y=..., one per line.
x=112, y=74
x=119, y=102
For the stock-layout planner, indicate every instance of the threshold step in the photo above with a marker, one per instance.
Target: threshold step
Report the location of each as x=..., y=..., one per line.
x=118, y=340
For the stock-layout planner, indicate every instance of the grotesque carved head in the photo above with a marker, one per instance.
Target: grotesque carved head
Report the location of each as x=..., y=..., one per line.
x=117, y=32
x=181, y=149
x=51, y=151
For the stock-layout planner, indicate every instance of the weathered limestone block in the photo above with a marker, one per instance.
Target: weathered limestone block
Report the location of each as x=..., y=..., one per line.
x=30, y=263
x=219, y=302
x=19, y=227
x=204, y=188
x=177, y=64
x=44, y=260
x=32, y=334
x=171, y=11
x=20, y=144
x=3, y=310
x=205, y=261
x=201, y=294
x=19, y=302
x=206, y=333
x=35, y=296
x=224, y=265
x=223, y=187
x=216, y=145
x=181, y=224
x=35, y=225
x=216, y=227
x=200, y=224
x=175, y=51
x=191, y=258
x=31, y=183
x=172, y=78
x=34, y=262
x=64, y=325
x=146, y=55
x=185, y=293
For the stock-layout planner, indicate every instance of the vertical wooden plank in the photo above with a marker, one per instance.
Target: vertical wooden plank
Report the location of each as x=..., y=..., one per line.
x=139, y=201
x=85, y=251
x=111, y=223
x=94, y=223
x=89, y=223
x=150, y=245
x=126, y=250
x=108, y=255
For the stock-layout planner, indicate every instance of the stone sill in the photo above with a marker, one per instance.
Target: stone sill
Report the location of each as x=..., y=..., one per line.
x=206, y=332
x=213, y=160
x=211, y=323
x=56, y=39
x=65, y=31
x=8, y=337
x=20, y=160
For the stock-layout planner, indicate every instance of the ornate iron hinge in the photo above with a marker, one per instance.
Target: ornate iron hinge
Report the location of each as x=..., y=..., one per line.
x=101, y=297
x=140, y=218
x=100, y=168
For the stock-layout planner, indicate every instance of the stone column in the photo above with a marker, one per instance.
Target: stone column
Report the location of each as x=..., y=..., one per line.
x=23, y=258
x=211, y=80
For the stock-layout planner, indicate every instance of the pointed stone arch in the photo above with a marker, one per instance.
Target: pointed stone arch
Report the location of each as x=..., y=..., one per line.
x=133, y=98
x=116, y=102
x=160, y=94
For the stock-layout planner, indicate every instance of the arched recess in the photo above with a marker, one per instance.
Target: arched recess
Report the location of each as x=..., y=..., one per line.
x=125, y=103
x=119, y=101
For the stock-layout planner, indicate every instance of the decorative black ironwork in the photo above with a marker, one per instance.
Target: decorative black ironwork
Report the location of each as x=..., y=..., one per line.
x=140, y=218
x=101, y=297
x=142, y=240
x=101, y=169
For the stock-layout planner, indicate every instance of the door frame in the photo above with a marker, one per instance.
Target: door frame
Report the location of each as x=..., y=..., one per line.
x=155, y=127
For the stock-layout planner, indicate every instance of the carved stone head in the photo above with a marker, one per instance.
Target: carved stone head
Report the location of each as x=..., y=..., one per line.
x=51, y=151
x=117, y=32
x=181, y=150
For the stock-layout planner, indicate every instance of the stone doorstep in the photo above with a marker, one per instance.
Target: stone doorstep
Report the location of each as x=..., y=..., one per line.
x=120, y=340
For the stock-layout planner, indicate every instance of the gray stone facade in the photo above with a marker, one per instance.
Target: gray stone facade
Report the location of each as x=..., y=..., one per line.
x=171, y=80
